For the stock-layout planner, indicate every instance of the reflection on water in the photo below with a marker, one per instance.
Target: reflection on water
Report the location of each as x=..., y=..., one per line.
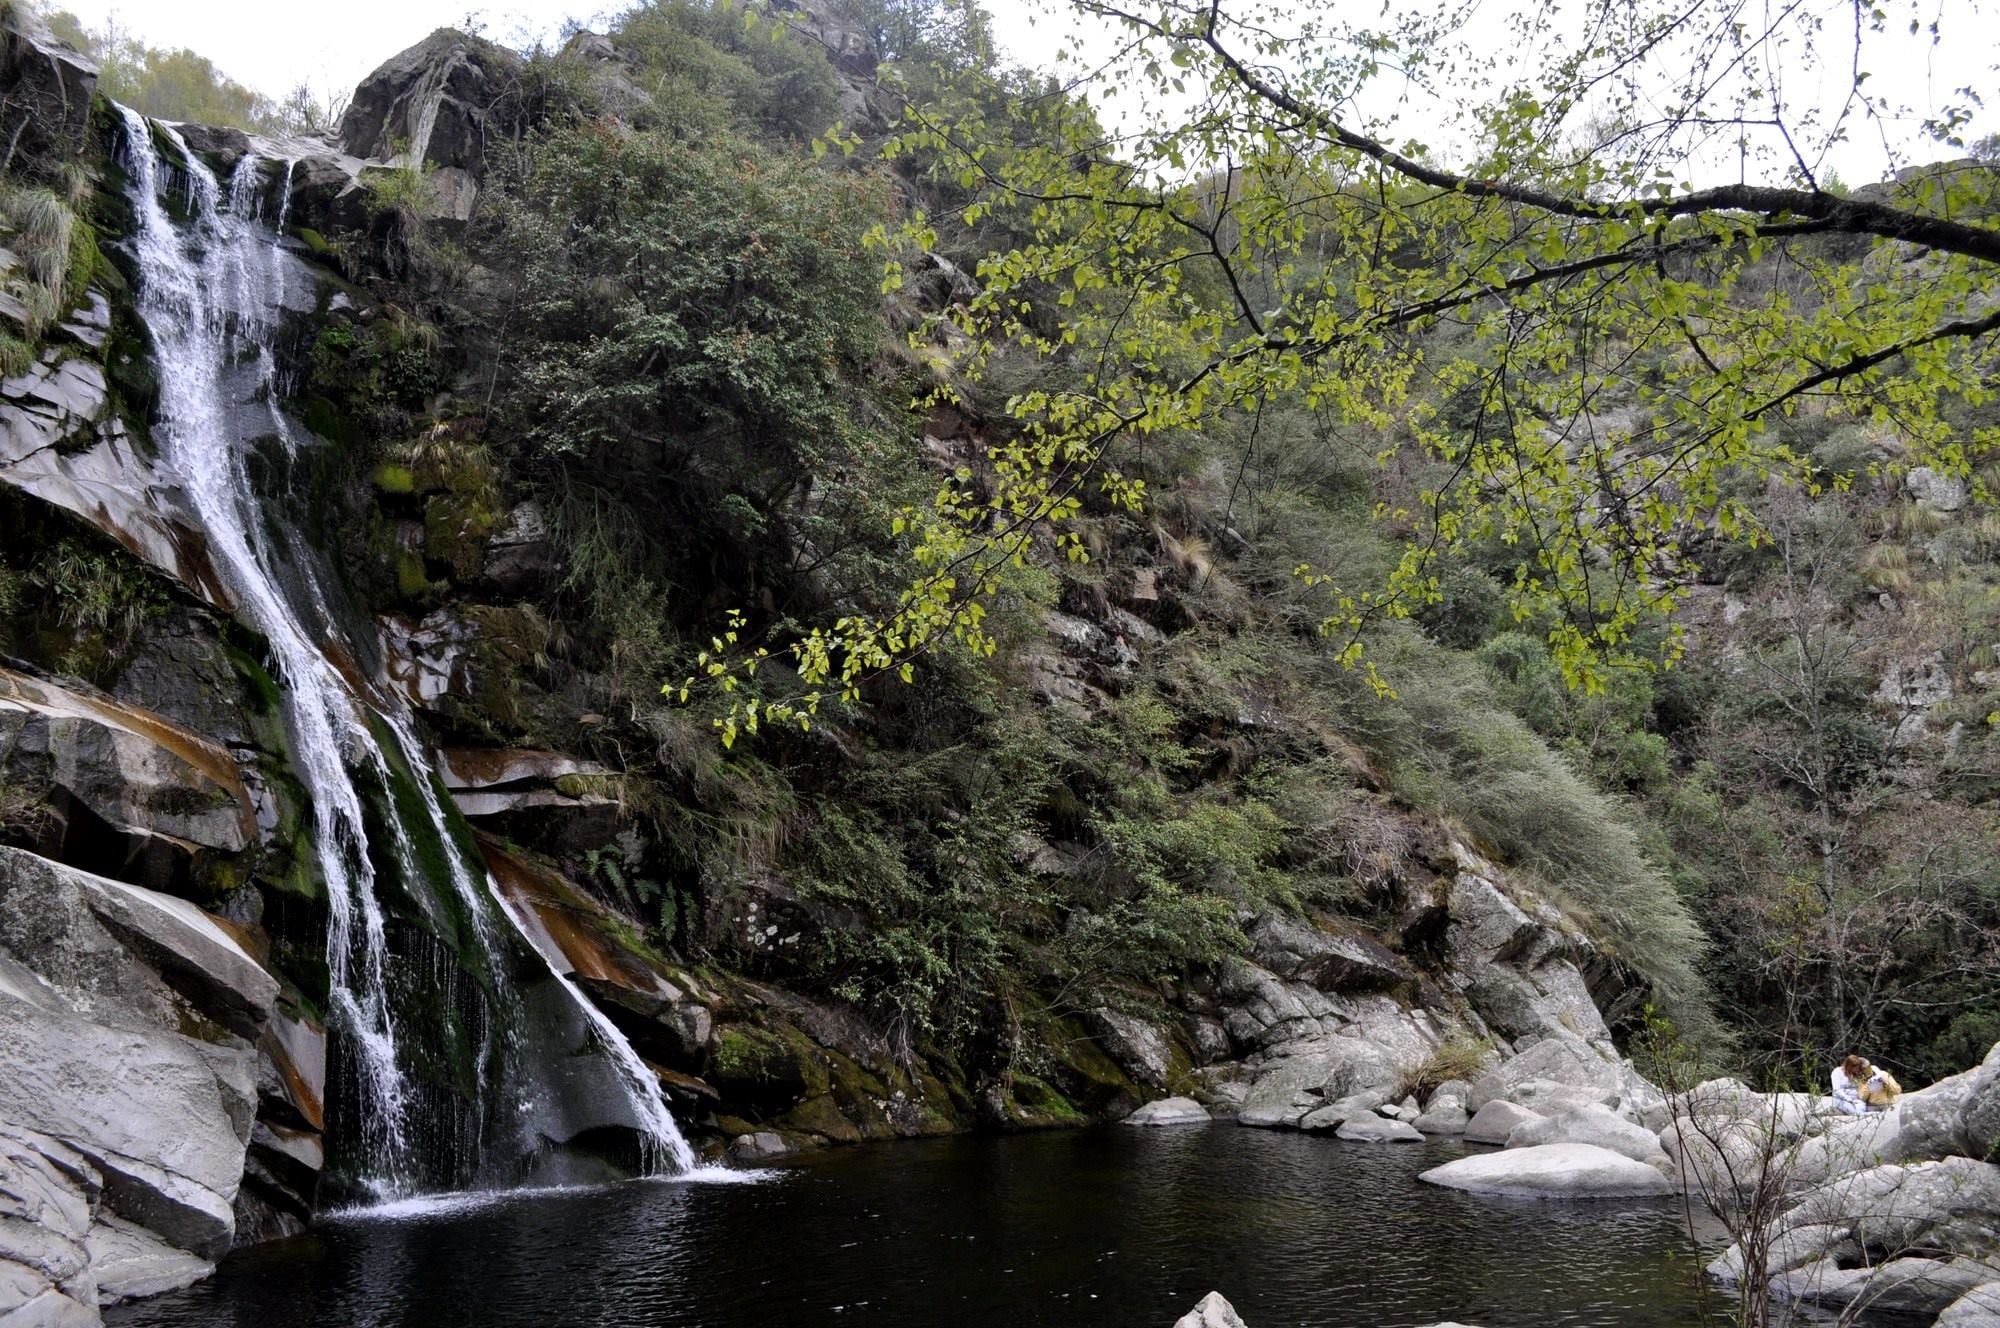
x=1117, y=1228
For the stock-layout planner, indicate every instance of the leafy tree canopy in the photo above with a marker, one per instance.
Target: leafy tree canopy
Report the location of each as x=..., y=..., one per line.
x=1554, y=315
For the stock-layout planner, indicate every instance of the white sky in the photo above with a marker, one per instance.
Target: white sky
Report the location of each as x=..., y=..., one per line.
x=274, y=46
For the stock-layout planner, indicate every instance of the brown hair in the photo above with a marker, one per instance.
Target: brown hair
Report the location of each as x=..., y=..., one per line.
x=1854, y=1065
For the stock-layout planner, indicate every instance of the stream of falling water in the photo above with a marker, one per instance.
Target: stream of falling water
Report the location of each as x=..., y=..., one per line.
x=211, y=291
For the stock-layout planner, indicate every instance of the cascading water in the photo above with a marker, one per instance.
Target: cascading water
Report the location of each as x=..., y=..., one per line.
x=212, y=291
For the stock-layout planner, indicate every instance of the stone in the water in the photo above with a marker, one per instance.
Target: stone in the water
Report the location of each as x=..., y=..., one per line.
x=1170, y=1111
x=1212, y=1312
x=1494, y=1122
x=1368, y=1128
x=1552, y=1171
x=757, y=1147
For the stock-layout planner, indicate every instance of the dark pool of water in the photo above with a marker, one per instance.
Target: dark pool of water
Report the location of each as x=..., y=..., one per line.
x=1112, y=1228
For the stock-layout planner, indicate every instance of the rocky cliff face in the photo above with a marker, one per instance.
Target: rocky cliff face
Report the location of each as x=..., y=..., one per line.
x=165, y=1081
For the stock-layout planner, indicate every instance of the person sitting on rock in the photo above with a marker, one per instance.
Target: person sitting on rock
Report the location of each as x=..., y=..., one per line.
x=1847, y=1079
x=1879, y=1089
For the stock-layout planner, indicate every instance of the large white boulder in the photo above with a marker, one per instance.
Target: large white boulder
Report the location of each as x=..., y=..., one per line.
x=1552, y=1171
x=1212, y=1312
x=1496, y=1121
x=1170, y=1111
x=1589, y=1124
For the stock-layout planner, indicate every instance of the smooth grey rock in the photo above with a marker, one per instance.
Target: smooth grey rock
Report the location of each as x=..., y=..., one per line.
x=1212, y=1312
x=758, y=1146
x=1552, y=1171
x=1947, y=1207
x=1915, y=1287
x=1726, y=1161
x=1170, y=1111
x=1589, y=1124
x=1515, y=965
x=1369, y=1128
x=1449, y=1118
x=1931, y=1120
x=1849, y=1144
x=1495, y=1122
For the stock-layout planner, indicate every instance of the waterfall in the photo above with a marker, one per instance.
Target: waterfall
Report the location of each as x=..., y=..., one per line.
x=213, y=291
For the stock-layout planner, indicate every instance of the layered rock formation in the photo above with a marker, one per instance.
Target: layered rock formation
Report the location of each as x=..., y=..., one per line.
x=129, y=1021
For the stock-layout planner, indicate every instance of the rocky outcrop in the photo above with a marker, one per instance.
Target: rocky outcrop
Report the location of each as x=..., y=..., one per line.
x=61, y=443
x=864, y=105
x=46, y=111
x=1296, y=949
x=1514, y=958
x=101, y=983
x=436, y=104
x=1927, y=1230
x=131, y=792
x=1897, y=1211
x=1552, y=1171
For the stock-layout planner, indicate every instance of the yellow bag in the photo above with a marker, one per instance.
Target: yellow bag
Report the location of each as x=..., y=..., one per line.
x=1886, y=1095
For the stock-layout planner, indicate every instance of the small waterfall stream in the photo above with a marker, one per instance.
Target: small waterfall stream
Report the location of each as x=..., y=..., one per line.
x=213, y=290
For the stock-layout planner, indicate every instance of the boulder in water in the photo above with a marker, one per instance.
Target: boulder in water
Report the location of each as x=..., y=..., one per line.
x=1212, y=1312
x=1369, y=1128
x=1552, y=1171
x=1170, y=1111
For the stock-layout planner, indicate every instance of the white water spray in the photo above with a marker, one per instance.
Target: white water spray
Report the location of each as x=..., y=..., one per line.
x=212, y=291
